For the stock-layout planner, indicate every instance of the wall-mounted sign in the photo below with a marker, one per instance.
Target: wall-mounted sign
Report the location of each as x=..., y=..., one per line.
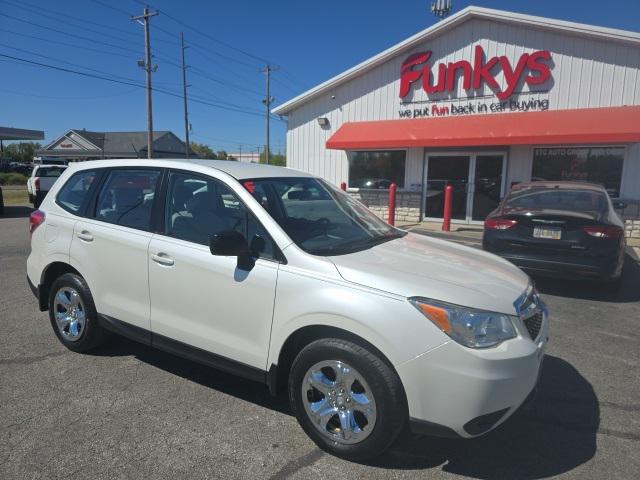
x=436, y=109
x=66, y=145
x=530, y=66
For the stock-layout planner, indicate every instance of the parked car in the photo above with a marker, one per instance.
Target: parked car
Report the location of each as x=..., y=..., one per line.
x=41, y=180
x=367, y=327
x=563, y=229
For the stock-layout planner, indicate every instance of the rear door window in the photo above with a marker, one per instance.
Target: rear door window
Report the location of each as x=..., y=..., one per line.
x=126, y=198
x=75, y=192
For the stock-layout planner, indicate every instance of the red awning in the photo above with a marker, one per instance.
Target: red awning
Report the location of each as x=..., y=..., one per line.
x=583, y=126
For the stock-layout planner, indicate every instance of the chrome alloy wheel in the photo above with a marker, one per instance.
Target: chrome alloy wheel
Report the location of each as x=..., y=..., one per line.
x=339, y=402
x=69, y=313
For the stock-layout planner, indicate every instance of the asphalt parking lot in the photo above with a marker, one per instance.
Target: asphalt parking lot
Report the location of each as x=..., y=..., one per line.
x=128, y=411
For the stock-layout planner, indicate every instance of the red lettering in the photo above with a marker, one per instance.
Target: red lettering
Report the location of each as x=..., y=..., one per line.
x=451, y=75
x=482, y=71
x=408, y=75
x=512, y=77
x=476, y=76
x=439, y=87
x=542, y=69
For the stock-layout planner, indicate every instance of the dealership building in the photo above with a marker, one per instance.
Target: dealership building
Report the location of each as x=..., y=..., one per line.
x=480, y=101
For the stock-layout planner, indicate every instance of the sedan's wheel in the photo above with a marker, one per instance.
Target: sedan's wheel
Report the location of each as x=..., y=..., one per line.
x=339, y=402
x=73, y=315
x=346, y=398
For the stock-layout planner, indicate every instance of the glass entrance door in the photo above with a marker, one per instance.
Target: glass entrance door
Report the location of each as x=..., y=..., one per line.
x=477, y=180
x=487, y=185
x=443, y=170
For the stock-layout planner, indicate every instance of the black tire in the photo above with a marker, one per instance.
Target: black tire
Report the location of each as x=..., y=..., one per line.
x=613, y=285
x=384, y=383
x=92, y=334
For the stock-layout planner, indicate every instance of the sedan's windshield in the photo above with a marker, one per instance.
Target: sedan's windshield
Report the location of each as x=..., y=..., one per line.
x=319, y=218
x=558, y=199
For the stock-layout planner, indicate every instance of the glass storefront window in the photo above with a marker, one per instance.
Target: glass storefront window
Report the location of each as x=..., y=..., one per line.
x=601, y=165
x=377, y=169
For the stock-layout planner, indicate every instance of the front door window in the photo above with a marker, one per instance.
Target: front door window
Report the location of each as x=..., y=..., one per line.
x=442, y=171
x=487, y=185
x=476, y=180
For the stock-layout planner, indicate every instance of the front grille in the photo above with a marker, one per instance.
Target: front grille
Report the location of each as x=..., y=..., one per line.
x=533, y=324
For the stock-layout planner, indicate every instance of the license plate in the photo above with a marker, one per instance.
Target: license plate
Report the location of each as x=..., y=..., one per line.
x=547, y=232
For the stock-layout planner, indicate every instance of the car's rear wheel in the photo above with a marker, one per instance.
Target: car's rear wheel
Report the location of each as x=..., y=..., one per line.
x=73, y=314
x=347, y=399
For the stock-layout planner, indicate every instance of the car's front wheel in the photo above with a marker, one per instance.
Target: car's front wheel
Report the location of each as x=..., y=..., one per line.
x=73, y=314
x=347, y=399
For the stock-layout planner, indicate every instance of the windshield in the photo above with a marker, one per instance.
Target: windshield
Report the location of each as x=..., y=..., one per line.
x=320, y=218
x=558, y=199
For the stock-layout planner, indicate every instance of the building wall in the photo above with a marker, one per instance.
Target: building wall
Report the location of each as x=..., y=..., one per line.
x=586, y=73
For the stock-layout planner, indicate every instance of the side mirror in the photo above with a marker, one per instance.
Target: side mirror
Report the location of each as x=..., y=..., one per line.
x=228, y=243
x=619, y=205
x=232, y=243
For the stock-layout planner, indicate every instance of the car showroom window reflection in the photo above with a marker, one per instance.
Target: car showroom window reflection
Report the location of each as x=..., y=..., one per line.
x=602, y=165
x=377, y=169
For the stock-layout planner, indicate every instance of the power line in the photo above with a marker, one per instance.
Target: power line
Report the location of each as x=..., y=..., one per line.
x=113, y=80
x=51, y=97
x=38, y=10
x=206, y=35
x=80, y=37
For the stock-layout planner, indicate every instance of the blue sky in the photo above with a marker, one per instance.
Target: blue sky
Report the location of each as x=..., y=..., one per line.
x=310, y=41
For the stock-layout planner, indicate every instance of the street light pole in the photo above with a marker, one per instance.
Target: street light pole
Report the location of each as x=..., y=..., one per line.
x=144, y=21
x=267, y=103
x=184, y=95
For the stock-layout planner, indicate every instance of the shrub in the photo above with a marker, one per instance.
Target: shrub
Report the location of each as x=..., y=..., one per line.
x=12, y=179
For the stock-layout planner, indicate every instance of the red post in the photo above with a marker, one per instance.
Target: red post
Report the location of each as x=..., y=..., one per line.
x=343, y=186
x=448, y=197
x=392, y=204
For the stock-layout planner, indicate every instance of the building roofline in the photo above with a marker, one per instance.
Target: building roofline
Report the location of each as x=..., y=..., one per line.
x=449, y=23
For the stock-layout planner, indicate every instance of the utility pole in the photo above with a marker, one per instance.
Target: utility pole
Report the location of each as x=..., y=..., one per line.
x=184, y=96
x=240, y=154
x=144, y=21
x=267, y=103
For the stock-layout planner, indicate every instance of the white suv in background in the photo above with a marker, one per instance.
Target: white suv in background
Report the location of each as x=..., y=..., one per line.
x=277, y=276
x=41, y=180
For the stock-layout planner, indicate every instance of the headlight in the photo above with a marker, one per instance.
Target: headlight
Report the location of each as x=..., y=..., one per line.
x=467, y=326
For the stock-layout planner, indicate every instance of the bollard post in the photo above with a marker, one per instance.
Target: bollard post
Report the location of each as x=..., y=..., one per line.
x=343, y=186
x=448, y=198
x=392, y=205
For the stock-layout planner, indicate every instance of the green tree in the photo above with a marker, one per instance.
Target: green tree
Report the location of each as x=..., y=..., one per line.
x=21, y=152
x=202, y=150
x=222, y=155
x=277, y=159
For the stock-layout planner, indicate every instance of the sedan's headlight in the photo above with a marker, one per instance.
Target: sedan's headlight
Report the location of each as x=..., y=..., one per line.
x=467, y=326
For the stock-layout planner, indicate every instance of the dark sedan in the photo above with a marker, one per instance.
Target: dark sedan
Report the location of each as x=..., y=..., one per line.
x=562, y=229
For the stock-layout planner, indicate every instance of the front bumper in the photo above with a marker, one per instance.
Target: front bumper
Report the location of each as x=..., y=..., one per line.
x=457, y=391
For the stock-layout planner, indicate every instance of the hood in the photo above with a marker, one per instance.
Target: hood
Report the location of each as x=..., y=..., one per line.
x=415, y=265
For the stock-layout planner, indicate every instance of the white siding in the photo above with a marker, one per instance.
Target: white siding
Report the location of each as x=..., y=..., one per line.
x=586, y=72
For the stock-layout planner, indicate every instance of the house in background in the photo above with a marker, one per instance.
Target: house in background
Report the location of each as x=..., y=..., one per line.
x=81, y=145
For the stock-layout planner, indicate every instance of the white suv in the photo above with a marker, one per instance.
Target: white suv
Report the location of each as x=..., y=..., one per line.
x=277, y=276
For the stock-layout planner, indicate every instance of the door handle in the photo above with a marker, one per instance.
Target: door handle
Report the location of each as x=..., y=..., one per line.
x=85, y=235
x=162, y=259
